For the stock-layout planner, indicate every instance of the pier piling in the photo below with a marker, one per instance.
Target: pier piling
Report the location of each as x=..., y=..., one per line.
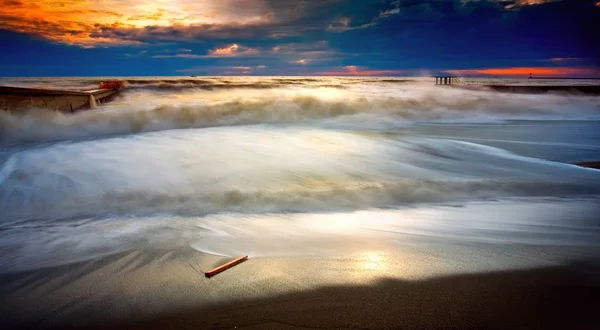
x=445, y=80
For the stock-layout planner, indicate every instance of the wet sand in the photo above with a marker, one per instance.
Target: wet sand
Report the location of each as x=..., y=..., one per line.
x=410, y=288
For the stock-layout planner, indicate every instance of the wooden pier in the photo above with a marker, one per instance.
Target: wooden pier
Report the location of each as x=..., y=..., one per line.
x=446, y=80
x=16, y=99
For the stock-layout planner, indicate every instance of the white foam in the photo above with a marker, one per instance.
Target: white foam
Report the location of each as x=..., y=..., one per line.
x=266, y=169
x=364, y=103
x=544, y=223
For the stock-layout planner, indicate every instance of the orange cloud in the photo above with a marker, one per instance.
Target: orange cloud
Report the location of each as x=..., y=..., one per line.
x=226, y=51
x=526, y=71
x=224, y=70
x=353, y=70
x=232, y=50
x=523, y=3
x=56, y=21
x=80, y=21
x=516, y=4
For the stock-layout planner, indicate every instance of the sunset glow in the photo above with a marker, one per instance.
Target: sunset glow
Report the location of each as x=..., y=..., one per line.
x=534, y=71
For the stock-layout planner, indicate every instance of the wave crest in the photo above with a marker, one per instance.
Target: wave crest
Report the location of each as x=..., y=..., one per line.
x=145, y=112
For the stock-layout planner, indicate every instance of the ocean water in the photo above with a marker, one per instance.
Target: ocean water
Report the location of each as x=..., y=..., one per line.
x=292, y=166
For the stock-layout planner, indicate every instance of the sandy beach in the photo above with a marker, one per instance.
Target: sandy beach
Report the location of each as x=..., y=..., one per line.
x=408, y=289
x=353, y=164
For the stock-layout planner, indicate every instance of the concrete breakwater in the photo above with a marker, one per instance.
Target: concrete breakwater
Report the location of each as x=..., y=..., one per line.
x=16, y=99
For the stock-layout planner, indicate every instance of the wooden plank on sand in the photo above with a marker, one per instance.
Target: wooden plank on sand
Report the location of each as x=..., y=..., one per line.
x=226, y=266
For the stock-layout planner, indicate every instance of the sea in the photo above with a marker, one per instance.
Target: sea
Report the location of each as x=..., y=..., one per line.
x=295, y=166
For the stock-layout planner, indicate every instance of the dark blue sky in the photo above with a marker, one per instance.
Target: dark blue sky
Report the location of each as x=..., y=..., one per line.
x=294, y=37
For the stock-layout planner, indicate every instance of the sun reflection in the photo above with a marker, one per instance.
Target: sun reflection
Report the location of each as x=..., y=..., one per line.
x=372, y=261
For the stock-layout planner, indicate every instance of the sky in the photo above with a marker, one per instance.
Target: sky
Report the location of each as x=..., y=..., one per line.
x=512, y=38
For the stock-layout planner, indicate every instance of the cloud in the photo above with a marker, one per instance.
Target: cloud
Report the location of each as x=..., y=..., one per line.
x=12, y=3
x=343, y=24
x=70, y=32
x=191, y=33
x=304, y=53
x=390, y=12
x=245, y=69
x=360, y=22
x=302, y=61
x=523, y=3
x=513, y=4
x=233, y=50
x=140, y=53
x=224, y=70
x=285, y=53
x=564, y=59
x=393, y=8
x=113, y=22
x=301, y=47
x=526, y=71
x=124, y=22
x=182, y=55
x=353, y=70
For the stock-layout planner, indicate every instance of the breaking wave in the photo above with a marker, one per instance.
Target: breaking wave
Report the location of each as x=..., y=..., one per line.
x=363, y=107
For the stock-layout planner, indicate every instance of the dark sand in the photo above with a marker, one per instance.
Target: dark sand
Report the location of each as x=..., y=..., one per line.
x=407, y=289
x=595, y=164
x=540, y=298
x=17, y=99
